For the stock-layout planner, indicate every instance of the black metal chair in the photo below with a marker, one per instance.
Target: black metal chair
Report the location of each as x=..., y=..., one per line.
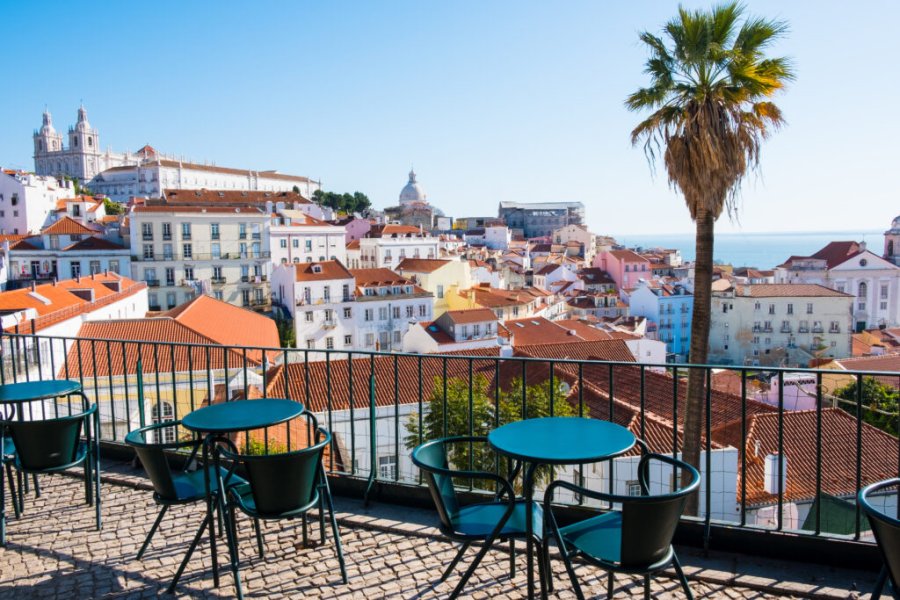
x=502, y=519
x=636, y=539
x=173, y=488
x=887, y=534
x=53, y=445
x=281, y=486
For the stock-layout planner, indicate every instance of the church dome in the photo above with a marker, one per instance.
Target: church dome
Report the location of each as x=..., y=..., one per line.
x=412, y=192
x=895, y=224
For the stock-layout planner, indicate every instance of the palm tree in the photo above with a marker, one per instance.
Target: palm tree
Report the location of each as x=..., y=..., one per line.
x=710, y=84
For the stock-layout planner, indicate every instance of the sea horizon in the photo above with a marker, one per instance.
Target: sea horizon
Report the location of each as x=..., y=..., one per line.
x=759, y=249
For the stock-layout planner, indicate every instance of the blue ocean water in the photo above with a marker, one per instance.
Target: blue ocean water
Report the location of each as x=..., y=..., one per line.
x=760, y=250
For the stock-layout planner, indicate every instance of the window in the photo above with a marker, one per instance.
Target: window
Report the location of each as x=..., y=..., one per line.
x=345, y=292
x=397, y=336
x=146, y=231
x=790, y=309
x=862, y=290
x=368, y=315
x=167, y=252
x=771, y=309
x=883, y=306
x=170, y=275
x=114, y=266
x=187, y=252
x=167, y=231
x=383, y=313
x=163, y=412
x=409, y=312
x=884, y=291
x=217, y=273
x=76, y=269
x=348, y=340
x=283, y=243
x=476, y=330
x=809, y=308
x=307, y=245
x=633, y=487
x=148, y=251
x=423, y=310
x=242, y=231
x=396, y=312
x=329, y=343
x=440, y=291
x=348, y=313
x=217, y=294
x=216, y=250
x=326, y=293
x=170, y=299
x=308, y=315
x=310, y=344
x=152, y=301
x=185, y=231
x=840, y=287
x=387, y=467
x=214, y=231
x=188, y=272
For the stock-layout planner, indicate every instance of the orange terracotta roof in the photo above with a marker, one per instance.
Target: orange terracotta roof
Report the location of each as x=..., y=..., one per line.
x=123, y=358
x=205, y=196
x=67, y=226
x=353, y=245
x=321, y=271
x=378, y=277
x=227, y=324
x=628, y=255
x=93, y=243
x=584, y=330
x=787, y=290
x=183, y=208
x=421, y=265
x=471, y=315
x=577, y=349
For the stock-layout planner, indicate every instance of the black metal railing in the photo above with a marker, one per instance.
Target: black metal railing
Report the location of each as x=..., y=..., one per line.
x=783, y=449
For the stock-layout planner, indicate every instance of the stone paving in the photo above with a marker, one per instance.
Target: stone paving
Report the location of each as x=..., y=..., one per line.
x=54, y=551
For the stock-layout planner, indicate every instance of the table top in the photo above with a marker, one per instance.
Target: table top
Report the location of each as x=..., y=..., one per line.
x=561, y=440
x=37, y=390
x=242, y=414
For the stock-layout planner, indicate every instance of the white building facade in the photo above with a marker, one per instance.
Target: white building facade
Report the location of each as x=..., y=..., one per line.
x=28, y=201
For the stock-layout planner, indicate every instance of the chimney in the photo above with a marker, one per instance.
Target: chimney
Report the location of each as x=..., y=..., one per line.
x=770, y=474
x=33, y=286
x=862, y=246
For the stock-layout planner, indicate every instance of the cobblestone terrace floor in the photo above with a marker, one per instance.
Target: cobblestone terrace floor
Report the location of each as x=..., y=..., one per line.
x=54, y=551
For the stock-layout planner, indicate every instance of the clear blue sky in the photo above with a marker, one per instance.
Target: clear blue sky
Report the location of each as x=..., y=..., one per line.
x=489, y=100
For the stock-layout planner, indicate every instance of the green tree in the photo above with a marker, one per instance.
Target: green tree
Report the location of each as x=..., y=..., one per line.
x=480, y=414
x=286, y=333
x=112, y=207
x=879, y=403
x=710, y=85
x=349, y=203
x=295, y=189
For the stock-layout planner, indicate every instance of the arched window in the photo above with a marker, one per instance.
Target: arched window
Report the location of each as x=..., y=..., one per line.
x=890, y=248
x=161, y=413
x=863, y=290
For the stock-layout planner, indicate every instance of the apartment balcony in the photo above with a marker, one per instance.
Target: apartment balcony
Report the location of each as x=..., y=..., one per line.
x=218, y=280
x=739, y=545
x=154, y=307
x=818, y=329
x=329, y=324
x=803, y=329
x=152, y=282
x=785, y=329
x=147, y=237
x=205, y=256
x=167, y=237
x=834, y=330
x=260, y=302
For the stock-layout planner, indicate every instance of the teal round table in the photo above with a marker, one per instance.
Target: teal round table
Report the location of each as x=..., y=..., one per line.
x=14, y=393
x=556, y=441
x=214, y=422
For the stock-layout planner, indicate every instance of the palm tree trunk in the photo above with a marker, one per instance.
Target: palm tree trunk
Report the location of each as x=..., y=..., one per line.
x=696, y=391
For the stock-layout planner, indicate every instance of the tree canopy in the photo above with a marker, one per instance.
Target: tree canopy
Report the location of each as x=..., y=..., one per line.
x=357, y=202
x=880, y=403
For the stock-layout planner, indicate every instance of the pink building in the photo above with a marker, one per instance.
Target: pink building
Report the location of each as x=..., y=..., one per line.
x=355, y=227
x=624, y=266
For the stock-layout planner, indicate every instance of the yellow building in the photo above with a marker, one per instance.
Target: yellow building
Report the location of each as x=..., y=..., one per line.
x=443, y=278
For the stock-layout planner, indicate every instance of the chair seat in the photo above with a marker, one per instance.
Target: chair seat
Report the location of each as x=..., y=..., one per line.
x=191, y=486
x=600, y=538
x=244, y=495
x=479, y=520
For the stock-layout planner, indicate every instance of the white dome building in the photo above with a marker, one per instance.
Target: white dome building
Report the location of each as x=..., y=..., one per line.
x=412, y=192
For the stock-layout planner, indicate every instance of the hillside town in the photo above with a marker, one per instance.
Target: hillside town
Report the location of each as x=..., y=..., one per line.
x=408, y=278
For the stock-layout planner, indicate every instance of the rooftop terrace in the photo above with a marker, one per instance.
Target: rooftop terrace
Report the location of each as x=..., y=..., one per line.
x=53, y=551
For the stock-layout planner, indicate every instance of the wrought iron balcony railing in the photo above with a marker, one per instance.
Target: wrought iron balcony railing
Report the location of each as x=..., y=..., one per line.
x=782, y=450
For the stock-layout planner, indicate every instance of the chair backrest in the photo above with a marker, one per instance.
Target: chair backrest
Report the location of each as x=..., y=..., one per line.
x=431, y=458
x=286, y=482
x=649, y=522
x=153, y=457
x=885, y=528
x=47, y=443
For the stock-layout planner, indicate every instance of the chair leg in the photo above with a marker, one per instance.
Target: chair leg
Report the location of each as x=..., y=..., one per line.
x=153, y=529
x=321, y=514
x=37, y=486
x=97, y=503
x=3, y=511
x=454, y=562
x=546, y=558
x=259, y=541
x=879, y=585
x=231, y=539
x=88, y=494
x=22, y=483
x=187, y=557
x=542, y=570
x=12, y=490
x=681, y=577
x=478, y=557
x=646, y=587
x=610, y=584
x=512, y=558
x=305, y=532
x=336, y=533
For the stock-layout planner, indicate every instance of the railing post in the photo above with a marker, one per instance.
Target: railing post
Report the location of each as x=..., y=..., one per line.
x=373, y=446
x=140, y=393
